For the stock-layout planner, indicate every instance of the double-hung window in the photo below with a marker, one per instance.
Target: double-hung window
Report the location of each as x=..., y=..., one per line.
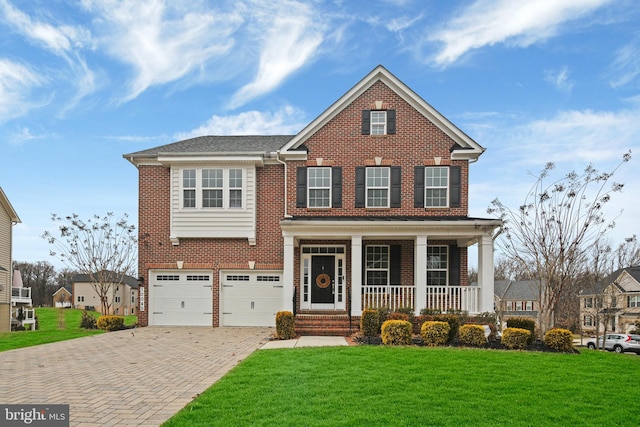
x=378, y=187
x=588, y=302
x=633, y=301
x=437, y=263
x=378, y=123
x=436, y=187
x=319, y=187
x=377, y=265
x=219, y=188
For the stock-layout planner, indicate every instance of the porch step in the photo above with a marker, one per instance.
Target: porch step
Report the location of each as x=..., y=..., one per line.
x=325, y=324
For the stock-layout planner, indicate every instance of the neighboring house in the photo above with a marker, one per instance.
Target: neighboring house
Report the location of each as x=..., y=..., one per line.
x=22, y=312
x=517, y=298
x=614, y=302
x=367, y=206
x=122, y=293
x=8, y=218
x=62, y=298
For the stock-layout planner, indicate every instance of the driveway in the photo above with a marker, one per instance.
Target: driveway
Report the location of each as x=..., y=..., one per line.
x=136, y=377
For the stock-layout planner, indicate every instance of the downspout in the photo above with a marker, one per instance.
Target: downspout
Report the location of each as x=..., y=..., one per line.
x=286, y=215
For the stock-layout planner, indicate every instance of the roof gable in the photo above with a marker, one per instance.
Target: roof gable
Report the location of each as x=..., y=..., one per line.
x=6, y=205
x=469, y=149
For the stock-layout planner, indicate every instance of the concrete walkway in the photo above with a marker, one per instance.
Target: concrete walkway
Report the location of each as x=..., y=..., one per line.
x=307, y=342
x=136, y=377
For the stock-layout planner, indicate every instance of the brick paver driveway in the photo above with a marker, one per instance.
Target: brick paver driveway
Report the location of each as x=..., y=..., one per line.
x=136, y=377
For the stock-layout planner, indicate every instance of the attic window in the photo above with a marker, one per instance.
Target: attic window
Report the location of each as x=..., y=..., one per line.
x=378, y=122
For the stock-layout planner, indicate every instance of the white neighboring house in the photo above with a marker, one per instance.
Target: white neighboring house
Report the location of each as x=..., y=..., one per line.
x=122, y=294
x=22, y=311
x=8, y=218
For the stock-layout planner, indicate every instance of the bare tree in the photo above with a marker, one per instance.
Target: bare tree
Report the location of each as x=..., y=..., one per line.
x=550, y=234
x=103, y=248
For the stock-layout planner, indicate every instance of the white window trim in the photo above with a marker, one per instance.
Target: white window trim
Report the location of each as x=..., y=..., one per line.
x=225, y=189
x=309, y=187
x=340, y=280
x=372, y=124
x=367, y=187
x=367, y=269
x=446, y=188
x=446, y=269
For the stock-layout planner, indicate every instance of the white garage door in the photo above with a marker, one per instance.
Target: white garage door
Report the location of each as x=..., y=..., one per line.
x=251, y=299
x=181, y=298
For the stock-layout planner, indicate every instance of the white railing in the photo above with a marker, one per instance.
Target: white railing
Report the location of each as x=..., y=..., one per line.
x=21, y=295
x=461, y=298
x=390, y=296
x=28, y=316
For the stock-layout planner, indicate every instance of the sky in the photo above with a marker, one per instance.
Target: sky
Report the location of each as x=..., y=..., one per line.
x=84, y=82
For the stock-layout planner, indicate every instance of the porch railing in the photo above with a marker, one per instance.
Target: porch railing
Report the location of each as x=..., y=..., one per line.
x=391, y=296
x=21, y=294
x=444, y=298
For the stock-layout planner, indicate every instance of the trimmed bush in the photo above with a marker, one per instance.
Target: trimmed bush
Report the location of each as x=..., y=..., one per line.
x=516, y=338
x=559, y=339
x=523, y=323
x=454, y=323
x=396, y=315
x=435, y=333
x=88, y=320
x=383, y=316
x=285, y=325
x=396, y=332
x=369, y=323
x=110, y=323
x=472, y=335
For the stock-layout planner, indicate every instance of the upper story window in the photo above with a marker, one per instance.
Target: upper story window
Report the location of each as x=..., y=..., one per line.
x=378, y=122
x=633, y=301
x=319, y=187
x=212, y=188
x=378, y=187
x=437, y=186
x=588, y=302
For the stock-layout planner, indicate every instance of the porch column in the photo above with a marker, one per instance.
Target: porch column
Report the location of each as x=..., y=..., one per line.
x=485, y=273
x=420, y=273
x=287, y=275
x=356, y=275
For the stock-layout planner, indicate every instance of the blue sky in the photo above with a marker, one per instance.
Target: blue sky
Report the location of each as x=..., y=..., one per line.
x=82, y=83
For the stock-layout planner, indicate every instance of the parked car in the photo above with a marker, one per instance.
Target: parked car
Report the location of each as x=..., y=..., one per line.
x=618, y=343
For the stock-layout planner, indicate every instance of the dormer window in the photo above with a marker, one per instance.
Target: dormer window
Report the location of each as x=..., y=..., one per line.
x=378, y=122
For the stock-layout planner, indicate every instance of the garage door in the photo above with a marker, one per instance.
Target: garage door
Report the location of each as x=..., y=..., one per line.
x=251, y=299
x=181, y=298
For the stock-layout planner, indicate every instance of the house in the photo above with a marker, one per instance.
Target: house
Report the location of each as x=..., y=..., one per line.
x=62, y=298
x=8, y=218
x=517, y=298
x=613, y=303
x=23, y=314
x=121, y=292
x=365, y=207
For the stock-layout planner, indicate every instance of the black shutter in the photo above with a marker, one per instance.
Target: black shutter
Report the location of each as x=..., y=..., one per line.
x=360, y=186
x=455, y=186
x=336, y=187
x=391, y=122
x=454, y=265
x=396, y=187
x=394, y=264
x=301, y=187
x=418, y=187
x=366, y=122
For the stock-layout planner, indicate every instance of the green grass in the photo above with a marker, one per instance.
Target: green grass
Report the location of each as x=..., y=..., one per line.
x=55, y=325
x=418, y=386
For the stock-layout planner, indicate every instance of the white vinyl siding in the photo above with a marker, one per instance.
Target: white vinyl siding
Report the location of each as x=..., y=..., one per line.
x=226, y=222
x=5, y=259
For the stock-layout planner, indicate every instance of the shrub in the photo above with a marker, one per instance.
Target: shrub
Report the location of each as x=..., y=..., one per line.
x=559, y=339
x=454, y=323
x=515, y=338
x=369, y=323
x=383, y=316
x=435, y=333
x=110, y=323
x=396, y=332
x=472, y=335
x=88, y=321
x=285, y=325
x=523, y=323
x=396, y=315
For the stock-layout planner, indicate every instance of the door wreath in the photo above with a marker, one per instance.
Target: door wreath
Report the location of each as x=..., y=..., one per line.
x=323, y=280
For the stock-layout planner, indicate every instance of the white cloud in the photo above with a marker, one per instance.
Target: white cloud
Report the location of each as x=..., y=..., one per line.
x=16, y=84
x=290, y=35
x=512, y=22
x=626, y=65
x=559, y=79
x=285, y=121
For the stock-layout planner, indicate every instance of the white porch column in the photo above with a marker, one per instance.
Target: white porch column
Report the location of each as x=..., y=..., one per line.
x=420, y=273
x=356, y=275
x=287, y=275
x=485, y=273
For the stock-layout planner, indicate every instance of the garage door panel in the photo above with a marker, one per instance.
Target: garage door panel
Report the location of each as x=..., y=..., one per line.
x=181, y=299
x=251, y=299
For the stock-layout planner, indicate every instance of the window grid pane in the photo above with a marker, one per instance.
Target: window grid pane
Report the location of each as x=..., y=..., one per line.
x=377, y=265
x=436, y=187
x=437, y=263
x=319, y=185
x=211, y=198
x=235, y=188
x=378, y=122
x=378, y=187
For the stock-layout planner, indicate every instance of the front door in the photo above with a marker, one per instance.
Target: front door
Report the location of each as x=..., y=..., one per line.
x=322, y=279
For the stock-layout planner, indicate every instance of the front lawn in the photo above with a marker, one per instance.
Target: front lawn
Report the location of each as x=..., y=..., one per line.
x=415, y=386
x=56, y=324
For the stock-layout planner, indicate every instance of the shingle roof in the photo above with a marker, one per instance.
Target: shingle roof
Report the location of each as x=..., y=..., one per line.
x=602, y=284
x=219, y=144
x=514, y=290
x=127, y=280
